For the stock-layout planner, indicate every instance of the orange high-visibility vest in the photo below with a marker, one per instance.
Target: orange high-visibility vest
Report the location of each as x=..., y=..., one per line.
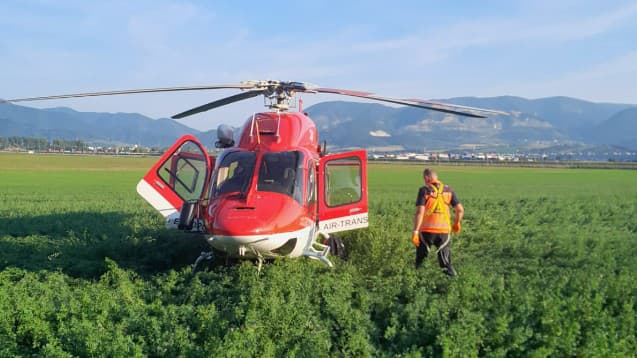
x=437, y=218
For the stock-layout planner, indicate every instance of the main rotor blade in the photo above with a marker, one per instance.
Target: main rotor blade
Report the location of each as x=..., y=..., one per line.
x=132, y=91
x=434, y=106
x=489, y=111
x=218, y=103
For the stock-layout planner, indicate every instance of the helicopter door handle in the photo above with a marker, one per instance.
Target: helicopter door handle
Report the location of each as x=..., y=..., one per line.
x=353, y=210
x=159, y=184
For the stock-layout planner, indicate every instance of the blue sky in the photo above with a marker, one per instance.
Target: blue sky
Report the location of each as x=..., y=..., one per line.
x=426, y=49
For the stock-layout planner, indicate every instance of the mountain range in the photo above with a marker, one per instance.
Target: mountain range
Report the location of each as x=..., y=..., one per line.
x=532, y=122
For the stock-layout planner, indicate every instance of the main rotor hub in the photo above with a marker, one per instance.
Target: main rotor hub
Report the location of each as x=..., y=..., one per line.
x=279, y=95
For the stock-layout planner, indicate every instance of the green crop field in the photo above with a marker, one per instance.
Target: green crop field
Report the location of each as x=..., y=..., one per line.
x=546, y=263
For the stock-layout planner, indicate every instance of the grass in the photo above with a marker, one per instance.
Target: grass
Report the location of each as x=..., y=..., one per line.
x=546, y=263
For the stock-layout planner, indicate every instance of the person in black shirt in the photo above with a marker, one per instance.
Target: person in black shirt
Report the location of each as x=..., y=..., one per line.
x=432, y=222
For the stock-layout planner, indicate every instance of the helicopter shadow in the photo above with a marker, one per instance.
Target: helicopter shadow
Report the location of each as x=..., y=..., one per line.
x=77, y=243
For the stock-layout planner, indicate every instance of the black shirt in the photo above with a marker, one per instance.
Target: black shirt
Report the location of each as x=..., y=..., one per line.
x=425, y=190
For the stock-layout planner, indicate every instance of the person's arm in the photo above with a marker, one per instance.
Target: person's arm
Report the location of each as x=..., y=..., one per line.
x=459, y=213
x=459, y=210
x=418, y=217
x=415, y=235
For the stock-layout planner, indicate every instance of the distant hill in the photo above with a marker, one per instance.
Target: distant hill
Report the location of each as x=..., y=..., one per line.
x=567, y=114
x=345, y=124
x=552, y=121
x=620, y=129
x=96, y=128
x=546, y=121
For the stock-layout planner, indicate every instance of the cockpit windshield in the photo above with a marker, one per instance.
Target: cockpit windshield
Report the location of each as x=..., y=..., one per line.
x=235, y=172
x=282, y=172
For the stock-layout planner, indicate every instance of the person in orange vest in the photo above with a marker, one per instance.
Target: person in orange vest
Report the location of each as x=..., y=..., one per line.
x=432, y=222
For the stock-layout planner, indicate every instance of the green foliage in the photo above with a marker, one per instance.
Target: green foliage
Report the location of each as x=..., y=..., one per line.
x=30, y=143
x=545, y=261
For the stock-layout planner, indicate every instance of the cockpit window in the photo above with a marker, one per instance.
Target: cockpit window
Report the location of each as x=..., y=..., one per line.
x=282, y=173
x=234, y=173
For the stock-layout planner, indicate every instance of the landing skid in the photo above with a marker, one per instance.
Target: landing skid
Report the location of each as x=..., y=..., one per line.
x=259, y=262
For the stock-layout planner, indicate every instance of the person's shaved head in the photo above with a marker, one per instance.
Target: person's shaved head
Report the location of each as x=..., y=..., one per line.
x=429, y=174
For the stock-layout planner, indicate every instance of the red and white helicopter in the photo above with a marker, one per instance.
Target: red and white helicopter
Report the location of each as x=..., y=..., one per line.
x=274, y=193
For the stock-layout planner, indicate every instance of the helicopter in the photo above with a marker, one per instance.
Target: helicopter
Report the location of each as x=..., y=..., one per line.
x=275, y=192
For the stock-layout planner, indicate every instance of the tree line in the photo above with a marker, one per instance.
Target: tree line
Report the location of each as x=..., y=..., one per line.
x=30, y=143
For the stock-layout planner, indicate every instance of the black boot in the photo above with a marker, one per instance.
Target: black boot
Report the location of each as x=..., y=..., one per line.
x=449, y=271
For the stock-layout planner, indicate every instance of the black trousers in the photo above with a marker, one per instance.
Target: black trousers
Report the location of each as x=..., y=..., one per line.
x=428, y=239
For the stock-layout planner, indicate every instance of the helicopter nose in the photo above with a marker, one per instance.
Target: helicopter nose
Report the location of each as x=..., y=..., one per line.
x=265, y=213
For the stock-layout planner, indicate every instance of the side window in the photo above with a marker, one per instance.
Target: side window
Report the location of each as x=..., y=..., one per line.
x=311, y=184
x=342, y=181
x=185, y=171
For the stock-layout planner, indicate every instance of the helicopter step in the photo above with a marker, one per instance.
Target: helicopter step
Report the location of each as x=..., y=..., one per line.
x=205, y=255
x=318, y=250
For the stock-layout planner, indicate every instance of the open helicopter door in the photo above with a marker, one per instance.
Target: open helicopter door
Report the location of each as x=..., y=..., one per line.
x=342, y=189
x=179, y=177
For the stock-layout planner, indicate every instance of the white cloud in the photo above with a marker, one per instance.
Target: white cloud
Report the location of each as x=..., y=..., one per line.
x=379, y=133
x=435, y=45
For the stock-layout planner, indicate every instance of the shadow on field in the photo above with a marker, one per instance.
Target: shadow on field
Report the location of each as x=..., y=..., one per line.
x=76, y=243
